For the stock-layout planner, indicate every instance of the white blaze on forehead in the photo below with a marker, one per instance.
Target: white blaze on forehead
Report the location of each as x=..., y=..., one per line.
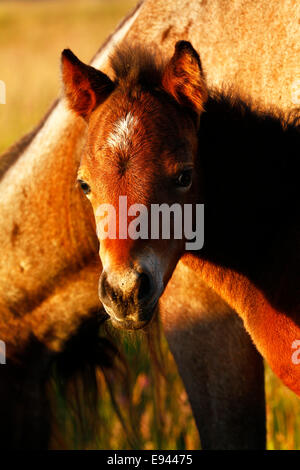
x=122, y=133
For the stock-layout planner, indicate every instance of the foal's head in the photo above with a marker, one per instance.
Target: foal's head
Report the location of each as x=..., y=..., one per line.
x=142, y=143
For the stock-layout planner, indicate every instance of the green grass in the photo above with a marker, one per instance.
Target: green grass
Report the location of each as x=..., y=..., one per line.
x=32, y=35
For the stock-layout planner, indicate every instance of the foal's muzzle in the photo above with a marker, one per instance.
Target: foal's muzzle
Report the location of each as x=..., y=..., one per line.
x=129, y=298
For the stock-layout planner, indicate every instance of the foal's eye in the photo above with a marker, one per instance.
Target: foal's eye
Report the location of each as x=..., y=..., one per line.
x=84, y=186
x=184, y=180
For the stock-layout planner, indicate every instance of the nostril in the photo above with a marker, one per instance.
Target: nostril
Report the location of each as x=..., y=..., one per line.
x=105, y=289
x=145, y=286
x=107, y=293
x=102, y=286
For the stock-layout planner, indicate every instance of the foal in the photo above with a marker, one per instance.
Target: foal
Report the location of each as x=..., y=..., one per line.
x=149, y=139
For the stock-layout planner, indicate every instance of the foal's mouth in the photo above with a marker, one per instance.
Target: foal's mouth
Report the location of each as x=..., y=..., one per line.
x=129, y=323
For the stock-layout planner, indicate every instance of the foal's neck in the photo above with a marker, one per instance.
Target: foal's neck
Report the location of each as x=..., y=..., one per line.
x=251, y=256
x=248, y=183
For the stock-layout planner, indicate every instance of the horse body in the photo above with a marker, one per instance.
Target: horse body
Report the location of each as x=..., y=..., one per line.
x=50, y=268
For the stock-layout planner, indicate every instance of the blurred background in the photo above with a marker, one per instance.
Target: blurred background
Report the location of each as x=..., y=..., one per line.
x=32, y=36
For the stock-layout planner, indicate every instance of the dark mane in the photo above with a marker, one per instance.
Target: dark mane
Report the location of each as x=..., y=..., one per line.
x=245, y=146
x=137, y=66
x=249, y=152
x=229, y=101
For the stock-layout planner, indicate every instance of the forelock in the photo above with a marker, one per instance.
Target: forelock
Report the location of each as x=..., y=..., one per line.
x=137, y=66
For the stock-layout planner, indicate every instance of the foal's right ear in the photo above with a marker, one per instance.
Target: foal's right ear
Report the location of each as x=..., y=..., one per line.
x=84, y=86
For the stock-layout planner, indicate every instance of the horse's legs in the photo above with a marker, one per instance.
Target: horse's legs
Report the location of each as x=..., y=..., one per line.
x=221, y=369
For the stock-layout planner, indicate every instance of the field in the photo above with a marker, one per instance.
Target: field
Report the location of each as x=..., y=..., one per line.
x=32, y=35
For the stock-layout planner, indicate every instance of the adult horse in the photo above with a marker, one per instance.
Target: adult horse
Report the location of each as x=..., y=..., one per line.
x=49, y=271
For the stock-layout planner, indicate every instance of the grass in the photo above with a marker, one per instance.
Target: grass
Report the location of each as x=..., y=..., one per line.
x=32, y=35
x=173, y=428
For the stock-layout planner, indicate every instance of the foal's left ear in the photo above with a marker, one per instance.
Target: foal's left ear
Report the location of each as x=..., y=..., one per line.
x=84, y=86
x=183, y=78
